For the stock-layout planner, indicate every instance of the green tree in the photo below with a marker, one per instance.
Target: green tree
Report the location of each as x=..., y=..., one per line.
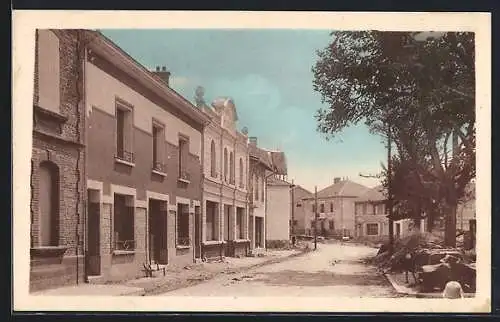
x=420, y=91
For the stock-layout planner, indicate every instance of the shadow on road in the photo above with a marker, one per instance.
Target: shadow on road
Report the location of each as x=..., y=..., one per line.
x=319, y=278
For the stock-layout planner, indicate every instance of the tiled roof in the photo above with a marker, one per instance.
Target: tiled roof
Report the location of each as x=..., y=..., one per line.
x=374, y=194
x=275, y=161
x=344, y=188
x=301, y=192
x=273, y=181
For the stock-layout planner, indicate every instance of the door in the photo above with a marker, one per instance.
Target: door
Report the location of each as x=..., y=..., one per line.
x=197, y=232
x=157, y=232
x=398, y=230
x=258, y=232
x=94, y=236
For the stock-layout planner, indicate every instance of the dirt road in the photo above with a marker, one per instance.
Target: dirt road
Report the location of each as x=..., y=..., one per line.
x=333, y=270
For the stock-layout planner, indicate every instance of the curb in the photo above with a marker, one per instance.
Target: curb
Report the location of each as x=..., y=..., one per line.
x=189, y=283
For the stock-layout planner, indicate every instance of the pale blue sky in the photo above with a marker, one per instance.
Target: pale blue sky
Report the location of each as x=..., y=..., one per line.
x=268, y=74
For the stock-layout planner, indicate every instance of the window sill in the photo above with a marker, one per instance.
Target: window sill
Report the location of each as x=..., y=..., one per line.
x=159, y=173
x=123, y=252
x=241, y=240
x=182, y=247
x=130, y=164
x=213, y=242
x=184, y=180
x=57, y=116
x=48, y=251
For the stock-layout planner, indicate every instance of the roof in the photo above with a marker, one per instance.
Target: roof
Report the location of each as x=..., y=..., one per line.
x=374, y=194
x=279, y=162
x=260, y=155
x=274, y=161
x=273, y=181
x=300, y=192
x=113, y=53
x=344, y=188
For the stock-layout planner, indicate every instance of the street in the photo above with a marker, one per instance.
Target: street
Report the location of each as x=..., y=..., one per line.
x=332, y=270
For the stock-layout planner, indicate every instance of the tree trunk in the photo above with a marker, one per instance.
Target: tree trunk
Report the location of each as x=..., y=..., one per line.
x=450, y=232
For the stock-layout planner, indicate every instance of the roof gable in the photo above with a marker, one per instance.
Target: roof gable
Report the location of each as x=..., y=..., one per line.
x=344, y=188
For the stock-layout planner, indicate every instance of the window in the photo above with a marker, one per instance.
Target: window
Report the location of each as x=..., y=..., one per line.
x=313, y=208
x=183, y=155
x=123, y=222
x=363, y=207
x=331, y=225
x=213, y=160
x=379, y=209
x=322, y=208
x=48, y=70
x=225, y=164
x=370, y=209
x=256, y=188
x=241, y=173
x=182, y=225
x=240, y=223
x=372, y=229
x=49, y=204
x=124, y=134
x=212, y=233
x=231, y=168
x=331, y=206
x=158, y=148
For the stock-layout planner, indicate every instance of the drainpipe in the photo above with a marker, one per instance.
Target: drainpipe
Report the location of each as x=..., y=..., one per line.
x=221, y=205
x=80, y=103
x=202, y=202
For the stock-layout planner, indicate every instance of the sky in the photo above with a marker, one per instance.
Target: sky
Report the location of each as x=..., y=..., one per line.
x=268, y=75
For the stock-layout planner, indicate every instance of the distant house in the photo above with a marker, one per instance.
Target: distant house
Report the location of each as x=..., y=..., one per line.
x=299, y=194
x=336, y=215
x=370, y=211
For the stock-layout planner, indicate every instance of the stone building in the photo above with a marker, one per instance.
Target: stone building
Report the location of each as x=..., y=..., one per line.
x=57, y=162
x=144, y=159
x=225, y=184
x=336, y=217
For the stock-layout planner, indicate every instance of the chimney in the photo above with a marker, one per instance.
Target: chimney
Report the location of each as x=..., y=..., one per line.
x=253, y=140
x=163, y=74
x=336, y=180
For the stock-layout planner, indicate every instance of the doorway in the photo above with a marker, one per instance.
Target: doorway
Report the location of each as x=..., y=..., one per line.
x=398, y=230
x=158, y=251
x=197, y=232
x=93, y=234
x=258, y=232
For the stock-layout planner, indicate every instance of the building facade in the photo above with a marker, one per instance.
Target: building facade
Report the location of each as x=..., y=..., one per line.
x=371, y=217
x=144, y=162
x=336, y=210
x=57, y=162
x=299, y=197
x=279, y=212
x=259, y=165
x=225, y=185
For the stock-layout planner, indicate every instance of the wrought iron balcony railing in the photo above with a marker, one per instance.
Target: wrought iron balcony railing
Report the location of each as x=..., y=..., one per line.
x=183, y=241
x=125, y=245
x=160, y=167
x=184, y=175
x=125, y=156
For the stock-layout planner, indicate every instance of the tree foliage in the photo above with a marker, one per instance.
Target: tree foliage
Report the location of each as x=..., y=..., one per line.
x=422, y=92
